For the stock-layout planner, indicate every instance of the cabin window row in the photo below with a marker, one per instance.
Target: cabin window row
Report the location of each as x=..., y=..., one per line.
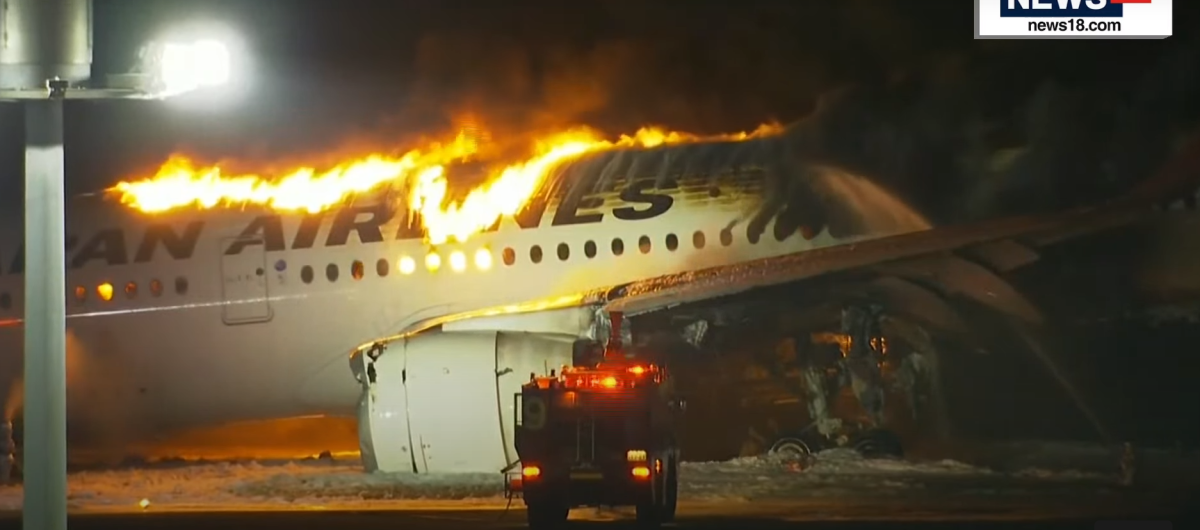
x=106, y=291
x=482, y=259
x=457, y=261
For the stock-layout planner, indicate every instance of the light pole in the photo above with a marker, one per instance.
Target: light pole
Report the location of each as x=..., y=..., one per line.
x=45, y=58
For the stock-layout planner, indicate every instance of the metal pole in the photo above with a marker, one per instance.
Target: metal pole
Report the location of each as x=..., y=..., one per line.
x=45, y=444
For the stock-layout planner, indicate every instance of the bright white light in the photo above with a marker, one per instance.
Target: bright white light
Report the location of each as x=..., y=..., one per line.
x=458, y=261
x=407, y=265
x=483, y=259
x=192, y=66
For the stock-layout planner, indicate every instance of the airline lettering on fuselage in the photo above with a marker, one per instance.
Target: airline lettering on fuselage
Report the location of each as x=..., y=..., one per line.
x=266, y=230
x=109, y=246
x=638, y=192
x=178, y=246
x=367, y=222
x=642, y=200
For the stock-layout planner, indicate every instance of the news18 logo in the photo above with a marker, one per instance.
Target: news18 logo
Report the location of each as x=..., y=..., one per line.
x=1066, y=8
x=1073, y=19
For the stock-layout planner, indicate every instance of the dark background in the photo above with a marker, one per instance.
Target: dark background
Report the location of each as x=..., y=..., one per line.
x=935, y=112
x=961, y=129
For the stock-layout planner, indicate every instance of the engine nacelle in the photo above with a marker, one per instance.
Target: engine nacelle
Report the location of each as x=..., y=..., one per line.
x=443, y=402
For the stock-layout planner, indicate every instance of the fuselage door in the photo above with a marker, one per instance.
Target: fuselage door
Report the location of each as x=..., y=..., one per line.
x=244, y=288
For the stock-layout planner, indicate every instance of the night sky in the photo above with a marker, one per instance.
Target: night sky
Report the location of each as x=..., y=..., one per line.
x=357, y=74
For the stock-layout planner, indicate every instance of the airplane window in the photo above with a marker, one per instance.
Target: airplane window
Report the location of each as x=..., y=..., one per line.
x=458, y=261
x=644, y=244
x=331, y=272
x=155, y=288
x=726, y=237
x=672, y=242
x=564, y=251
x=131, y=290
x=589, y=249
x=306, y=274
x=535, y=254
x=80, y=293
x=407, y=265
x=752, y=237
x=618, y=247
x=181, y=285
x=483, y=259
x=356, y=270
x=510, y=256
x=5, y=301
x=698, y=239
x=433, y=262
x=105, y=290
x=381, y=268
x=780, y=233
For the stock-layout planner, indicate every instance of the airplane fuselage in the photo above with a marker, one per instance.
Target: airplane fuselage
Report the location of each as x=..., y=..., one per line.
x=228, y=315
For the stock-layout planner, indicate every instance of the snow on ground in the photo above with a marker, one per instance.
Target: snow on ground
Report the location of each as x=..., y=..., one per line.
x=341, y=483
x=838, y=472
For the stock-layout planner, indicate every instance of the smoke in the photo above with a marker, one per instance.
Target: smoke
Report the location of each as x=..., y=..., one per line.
x=956, y=132
x=934, y=140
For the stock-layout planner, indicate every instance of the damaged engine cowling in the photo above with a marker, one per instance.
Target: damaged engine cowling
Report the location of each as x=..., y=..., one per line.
x=443, y=402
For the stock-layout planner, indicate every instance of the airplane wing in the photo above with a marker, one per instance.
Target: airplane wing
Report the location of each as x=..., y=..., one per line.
x=953, y=257
x=962, y=260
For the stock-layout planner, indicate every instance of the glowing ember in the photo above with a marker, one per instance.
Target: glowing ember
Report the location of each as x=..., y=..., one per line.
x=181, y=183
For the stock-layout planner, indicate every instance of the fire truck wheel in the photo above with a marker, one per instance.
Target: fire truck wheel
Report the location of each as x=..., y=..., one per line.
x=545, y=516
x=661, y=507
x=649, y=515
x=671, y=499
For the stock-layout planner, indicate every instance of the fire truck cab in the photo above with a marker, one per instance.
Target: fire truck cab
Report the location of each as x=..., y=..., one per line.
x=601, y=434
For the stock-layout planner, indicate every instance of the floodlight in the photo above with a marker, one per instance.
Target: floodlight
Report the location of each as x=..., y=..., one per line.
x=181, y=67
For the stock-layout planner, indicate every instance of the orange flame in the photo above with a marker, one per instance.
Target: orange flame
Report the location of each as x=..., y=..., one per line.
x=180, y=183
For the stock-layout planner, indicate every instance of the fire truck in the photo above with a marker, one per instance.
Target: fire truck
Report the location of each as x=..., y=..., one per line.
x=601, y=432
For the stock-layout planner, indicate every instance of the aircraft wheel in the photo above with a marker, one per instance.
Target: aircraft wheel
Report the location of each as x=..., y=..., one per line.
x=791, y=448
x=879, y=444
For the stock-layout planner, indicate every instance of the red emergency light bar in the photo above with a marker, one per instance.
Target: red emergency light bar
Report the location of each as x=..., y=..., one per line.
x=602, y=379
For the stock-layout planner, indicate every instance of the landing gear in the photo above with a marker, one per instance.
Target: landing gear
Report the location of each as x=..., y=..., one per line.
x=867, y=441
x=853, y=358
x=660, y=508
x=863, y=360
x=878, y=443
x=791, y=448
